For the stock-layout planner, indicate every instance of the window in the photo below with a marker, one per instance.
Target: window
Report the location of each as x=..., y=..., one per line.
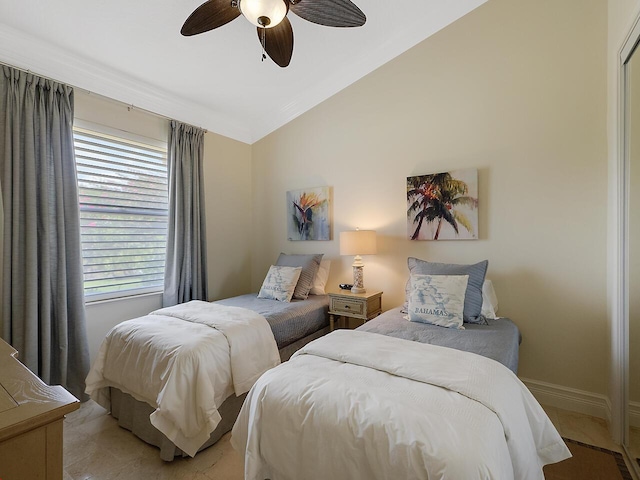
x=122, y=185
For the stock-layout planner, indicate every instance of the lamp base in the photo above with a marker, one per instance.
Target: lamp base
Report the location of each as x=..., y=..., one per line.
x=358, y=284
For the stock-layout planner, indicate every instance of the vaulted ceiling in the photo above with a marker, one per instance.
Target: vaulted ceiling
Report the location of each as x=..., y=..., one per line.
x=132, y=51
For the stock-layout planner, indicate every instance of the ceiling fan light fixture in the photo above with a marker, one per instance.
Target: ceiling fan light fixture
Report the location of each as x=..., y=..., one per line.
x=270, y=16
x=264, y=13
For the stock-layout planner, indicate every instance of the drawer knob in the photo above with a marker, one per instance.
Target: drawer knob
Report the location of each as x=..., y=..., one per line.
x=347, y=307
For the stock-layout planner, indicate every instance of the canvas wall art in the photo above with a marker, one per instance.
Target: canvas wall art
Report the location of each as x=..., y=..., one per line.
x=308, y=214
x=443, y=206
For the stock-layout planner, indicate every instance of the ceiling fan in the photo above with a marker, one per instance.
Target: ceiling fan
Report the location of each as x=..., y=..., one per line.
x=270, y=16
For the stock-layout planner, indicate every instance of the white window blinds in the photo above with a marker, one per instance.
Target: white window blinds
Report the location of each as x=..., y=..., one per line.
x=122, y=185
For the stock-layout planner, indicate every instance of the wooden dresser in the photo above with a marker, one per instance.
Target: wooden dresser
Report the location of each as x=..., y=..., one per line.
x=31, y=415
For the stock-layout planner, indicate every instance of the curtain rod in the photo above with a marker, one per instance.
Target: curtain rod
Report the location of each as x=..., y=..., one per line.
x=130, y=106
x=113, y=100
x=26, y=70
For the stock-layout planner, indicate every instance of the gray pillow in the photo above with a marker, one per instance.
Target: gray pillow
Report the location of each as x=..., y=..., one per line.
x=309, y=263
x=473, y=295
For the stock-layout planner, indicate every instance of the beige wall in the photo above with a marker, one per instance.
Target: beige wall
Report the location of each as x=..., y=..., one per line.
x=228, y=195
x=227, y=167
x=515, y=89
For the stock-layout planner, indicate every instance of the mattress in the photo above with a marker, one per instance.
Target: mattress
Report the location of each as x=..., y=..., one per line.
x=289, y=321
x=499, y=340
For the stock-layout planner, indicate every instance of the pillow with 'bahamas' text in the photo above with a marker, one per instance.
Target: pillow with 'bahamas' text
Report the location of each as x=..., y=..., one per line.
x=473, y=295
x=437, y=299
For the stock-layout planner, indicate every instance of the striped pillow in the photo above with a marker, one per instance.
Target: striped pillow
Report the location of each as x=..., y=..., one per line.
x=309, y=263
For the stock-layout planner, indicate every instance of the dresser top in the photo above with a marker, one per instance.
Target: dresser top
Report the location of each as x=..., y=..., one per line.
x=26, y=402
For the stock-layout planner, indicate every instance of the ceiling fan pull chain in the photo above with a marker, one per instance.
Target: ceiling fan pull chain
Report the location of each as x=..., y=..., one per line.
x=264, y=41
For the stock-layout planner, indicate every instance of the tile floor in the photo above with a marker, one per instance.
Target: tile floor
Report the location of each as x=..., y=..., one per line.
x=97, y=448
x=587, y=429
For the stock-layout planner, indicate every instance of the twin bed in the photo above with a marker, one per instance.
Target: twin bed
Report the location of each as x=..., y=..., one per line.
x=366, y=403
x=154, y=364
x=369, y=404
x=177, y=377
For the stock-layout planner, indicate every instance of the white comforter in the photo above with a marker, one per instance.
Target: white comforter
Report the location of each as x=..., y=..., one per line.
x=184, y=361
x=360, y=405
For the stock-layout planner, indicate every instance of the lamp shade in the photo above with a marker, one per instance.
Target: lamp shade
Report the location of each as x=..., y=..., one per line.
x=358, y=242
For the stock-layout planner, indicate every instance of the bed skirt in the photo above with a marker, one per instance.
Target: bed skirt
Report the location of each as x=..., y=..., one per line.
x=286, y=352
x=134, y=415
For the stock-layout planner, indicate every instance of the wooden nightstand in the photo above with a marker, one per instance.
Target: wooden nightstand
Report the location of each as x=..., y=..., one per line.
x=363, y=306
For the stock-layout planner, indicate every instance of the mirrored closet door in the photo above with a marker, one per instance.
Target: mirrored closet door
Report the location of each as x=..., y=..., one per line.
x=631, y=103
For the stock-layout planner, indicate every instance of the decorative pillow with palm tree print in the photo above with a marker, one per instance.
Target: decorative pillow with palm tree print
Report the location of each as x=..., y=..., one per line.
x=438, y=299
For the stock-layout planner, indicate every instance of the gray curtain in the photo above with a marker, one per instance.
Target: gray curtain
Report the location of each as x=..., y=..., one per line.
x=42, y=291
x=185, y=275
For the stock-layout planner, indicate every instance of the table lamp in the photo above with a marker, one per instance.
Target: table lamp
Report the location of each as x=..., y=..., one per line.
x=358, y=242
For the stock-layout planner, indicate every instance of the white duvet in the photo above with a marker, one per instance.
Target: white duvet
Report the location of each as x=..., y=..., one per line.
x=358, y=405
x=184, y=361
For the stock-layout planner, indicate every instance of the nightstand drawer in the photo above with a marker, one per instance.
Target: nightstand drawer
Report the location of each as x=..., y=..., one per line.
x=344, y=305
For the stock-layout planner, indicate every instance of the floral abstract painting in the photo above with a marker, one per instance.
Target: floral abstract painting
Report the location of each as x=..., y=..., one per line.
x=443, y=206
x=308, y=213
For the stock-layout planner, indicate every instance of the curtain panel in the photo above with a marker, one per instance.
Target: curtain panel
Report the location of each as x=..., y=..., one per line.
x=185, y=275
x=42, y=284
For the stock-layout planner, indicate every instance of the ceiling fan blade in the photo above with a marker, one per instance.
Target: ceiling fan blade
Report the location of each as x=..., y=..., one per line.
x=211, y=14
x=278, y=42
x=331, y=13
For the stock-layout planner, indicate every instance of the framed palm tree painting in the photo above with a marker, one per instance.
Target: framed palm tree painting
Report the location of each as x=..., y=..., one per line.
x=443, y=206
x=308, y=214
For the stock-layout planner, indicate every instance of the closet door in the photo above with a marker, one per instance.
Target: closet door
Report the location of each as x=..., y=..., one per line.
x=631, y=72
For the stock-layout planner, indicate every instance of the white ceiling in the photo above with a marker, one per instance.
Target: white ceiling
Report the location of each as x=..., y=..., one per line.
x=132, y=51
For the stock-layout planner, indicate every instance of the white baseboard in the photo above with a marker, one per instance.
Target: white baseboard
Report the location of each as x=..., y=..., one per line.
x=572, y=399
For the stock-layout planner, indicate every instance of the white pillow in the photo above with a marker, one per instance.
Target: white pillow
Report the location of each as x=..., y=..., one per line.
x=438, y=299
x=280, y=283
x=489, y=300
x=320, y=280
